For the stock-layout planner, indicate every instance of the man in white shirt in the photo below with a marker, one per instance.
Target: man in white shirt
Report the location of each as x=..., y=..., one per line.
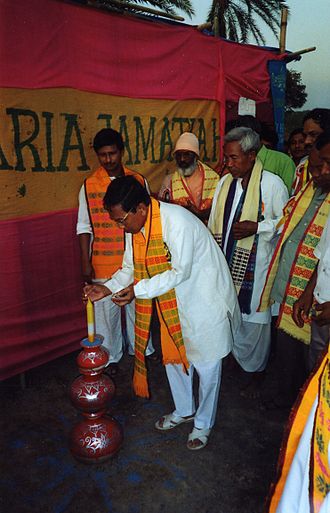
x=246, y=208
x=197, y=281
x=102, y=242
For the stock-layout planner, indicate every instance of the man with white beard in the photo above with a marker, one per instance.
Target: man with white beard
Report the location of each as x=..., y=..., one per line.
x=193, y=184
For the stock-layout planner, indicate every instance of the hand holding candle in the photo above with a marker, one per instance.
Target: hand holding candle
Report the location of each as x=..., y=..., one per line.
x=90, y=320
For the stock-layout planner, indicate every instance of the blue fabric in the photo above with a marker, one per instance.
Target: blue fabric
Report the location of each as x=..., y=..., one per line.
x=277, y=73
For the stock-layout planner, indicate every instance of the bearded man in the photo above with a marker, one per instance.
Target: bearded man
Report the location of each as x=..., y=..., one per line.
x=193, y=184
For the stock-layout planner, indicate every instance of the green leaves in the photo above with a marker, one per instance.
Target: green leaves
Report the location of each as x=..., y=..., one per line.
x=238, y=19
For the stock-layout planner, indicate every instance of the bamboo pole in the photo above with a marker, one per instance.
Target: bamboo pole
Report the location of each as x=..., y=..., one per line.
x=135, y=7
x=284, y=22
x=216, y=28
x=292, y=56
x=205, y=26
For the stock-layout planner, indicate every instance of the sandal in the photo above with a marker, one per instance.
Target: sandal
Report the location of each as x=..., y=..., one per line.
x=170, y=421
x=200, y=435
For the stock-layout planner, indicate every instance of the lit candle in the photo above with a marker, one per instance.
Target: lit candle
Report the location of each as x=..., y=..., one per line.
x=90, y=320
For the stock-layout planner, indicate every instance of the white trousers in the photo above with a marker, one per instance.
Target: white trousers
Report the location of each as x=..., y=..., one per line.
x=108, y=324
x=181, y=385
x=252, y=346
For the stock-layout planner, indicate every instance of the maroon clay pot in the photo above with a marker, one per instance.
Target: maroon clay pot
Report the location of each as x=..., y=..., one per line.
x=95, y=440
x=93, y=358
x=92, y=394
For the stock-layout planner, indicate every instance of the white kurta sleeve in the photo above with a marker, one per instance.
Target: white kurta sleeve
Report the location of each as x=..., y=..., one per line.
x=278, y=197
x=83, y=223
x=179, y=238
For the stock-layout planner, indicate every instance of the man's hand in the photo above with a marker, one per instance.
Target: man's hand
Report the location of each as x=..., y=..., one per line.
x=203, y=215
x=96, y=292
x=87, y=272
x=244, y=229
x=323, y=314
x=301, y=308
x=124, y=296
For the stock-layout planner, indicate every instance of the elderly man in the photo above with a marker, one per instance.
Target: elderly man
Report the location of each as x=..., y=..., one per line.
x=291, y=269
x=102, y=242
x=172, y=257
x=246, y=208
x=274, y=161
x=193, y=184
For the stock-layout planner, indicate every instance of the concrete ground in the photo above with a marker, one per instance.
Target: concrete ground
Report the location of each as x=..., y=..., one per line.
x=154, y=472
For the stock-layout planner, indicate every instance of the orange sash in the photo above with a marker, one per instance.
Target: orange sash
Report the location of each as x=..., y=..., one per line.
x=152, y=257
x=108, y=238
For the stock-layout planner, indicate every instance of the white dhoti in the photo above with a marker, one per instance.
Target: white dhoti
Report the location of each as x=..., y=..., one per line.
x=252, y=346
x=181, y=385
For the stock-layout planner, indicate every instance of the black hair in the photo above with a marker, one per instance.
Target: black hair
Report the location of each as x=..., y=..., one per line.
x=108, y=137
x=245, y=121
x=127, y=192
x=323, y=139
x=268, y=133
x=319, y=116
x=294, y=132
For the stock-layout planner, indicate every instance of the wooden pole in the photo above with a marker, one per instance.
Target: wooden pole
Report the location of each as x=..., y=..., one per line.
x=216, y=28
x=205, y=26
x=292, y=56
x=284, y=22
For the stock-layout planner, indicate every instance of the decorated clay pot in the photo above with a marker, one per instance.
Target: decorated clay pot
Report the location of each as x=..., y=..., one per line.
x=93, y=358
x=97, y=437
x=94, y=440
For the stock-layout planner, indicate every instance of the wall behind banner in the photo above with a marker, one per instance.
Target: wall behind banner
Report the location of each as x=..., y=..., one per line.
x=46, y=141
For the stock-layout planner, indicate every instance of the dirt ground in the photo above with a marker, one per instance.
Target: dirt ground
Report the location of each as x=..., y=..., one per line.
x=153, y=472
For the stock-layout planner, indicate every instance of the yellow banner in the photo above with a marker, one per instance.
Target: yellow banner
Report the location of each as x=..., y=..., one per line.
x=46, y=142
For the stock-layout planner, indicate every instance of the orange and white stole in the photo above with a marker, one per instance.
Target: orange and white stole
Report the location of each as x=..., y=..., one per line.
x=152, y=257
x=319, y=472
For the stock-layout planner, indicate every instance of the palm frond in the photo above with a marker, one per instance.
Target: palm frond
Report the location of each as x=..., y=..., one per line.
x=241, y=18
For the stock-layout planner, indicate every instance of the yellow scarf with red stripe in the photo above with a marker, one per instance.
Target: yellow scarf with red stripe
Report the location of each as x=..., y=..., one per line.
x=152, y=257
x=180, y=193
x=319, y=472
x=304, y=262
x=108, y=238
x=301, y=178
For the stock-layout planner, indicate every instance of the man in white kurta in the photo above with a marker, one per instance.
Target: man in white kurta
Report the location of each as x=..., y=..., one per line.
x=109, y=148
x=206, y=300
x=252, y=341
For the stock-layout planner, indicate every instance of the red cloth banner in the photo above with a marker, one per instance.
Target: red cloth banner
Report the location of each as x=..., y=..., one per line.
x=55, y=44
x=42, y=315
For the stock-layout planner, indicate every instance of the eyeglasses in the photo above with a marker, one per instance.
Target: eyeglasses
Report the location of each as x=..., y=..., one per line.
x=121, y=222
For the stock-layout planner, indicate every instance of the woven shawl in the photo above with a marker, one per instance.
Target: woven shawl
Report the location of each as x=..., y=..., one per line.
x=108, y=238
x=152, y=257
x=240, y=260
x=319, y=472
x=304, y=262
x=180, y=192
